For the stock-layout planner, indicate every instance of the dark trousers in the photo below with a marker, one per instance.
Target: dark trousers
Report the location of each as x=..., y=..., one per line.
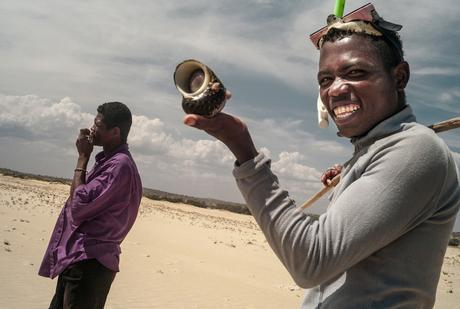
x=83, y=285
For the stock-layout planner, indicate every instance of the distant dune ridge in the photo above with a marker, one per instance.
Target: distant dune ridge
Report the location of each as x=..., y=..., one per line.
x=149, y=193
x=176, y=255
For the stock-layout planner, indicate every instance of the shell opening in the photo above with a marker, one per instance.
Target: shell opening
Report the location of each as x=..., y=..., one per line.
x=191, y=78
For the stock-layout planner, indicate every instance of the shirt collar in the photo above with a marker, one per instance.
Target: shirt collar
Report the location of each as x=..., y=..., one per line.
x=387, y=127
x=101, y=156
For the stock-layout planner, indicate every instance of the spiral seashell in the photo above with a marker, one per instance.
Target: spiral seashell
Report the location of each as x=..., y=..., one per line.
x=202, y=92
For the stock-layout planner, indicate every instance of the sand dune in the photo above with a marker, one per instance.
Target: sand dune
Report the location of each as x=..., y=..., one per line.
x=176, y=256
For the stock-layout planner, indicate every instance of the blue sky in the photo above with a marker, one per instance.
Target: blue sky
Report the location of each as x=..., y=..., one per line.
x=60, y=59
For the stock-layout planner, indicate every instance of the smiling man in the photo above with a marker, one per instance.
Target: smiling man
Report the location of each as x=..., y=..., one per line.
x=359, y=89
x=84, y=248
x=382, y=240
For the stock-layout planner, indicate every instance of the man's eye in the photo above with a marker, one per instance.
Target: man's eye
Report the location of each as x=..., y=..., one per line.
x=356, y=73
x=323, y=82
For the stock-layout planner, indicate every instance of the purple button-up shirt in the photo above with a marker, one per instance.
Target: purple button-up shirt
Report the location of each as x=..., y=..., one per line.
x=93, y=224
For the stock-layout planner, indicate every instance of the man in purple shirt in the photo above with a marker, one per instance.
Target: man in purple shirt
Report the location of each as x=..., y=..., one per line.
x=84, y=248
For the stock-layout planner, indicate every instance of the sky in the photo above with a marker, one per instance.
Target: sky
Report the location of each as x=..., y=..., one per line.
x=61, y=59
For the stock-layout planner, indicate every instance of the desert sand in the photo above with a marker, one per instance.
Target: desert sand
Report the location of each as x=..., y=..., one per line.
x=176, y=256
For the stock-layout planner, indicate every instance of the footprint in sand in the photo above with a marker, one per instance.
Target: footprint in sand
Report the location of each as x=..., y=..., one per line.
x=7, y=245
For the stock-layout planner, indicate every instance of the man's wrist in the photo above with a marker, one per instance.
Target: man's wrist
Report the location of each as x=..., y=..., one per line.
x=242, y=147
x=82, y=162
x=244, y=152
x=245, y=156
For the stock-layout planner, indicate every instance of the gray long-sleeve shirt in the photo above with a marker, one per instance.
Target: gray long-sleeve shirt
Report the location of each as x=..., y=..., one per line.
x=382, y=240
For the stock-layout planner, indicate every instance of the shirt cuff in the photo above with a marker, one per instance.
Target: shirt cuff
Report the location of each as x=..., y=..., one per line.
x=252, y=166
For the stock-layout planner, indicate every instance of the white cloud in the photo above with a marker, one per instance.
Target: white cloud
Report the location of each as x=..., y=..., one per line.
x=296, y=176
x=294, y=136
x=452, y=96
x=44, y=119
x=289, y=166
x=148, y=136
x=207, y=152
x=34, y=117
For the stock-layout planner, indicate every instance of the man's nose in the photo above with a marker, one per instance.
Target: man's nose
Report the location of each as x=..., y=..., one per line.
x=338, y=88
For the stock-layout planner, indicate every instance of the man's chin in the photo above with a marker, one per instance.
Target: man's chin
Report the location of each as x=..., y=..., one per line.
x=351, y=133
x=348, y=132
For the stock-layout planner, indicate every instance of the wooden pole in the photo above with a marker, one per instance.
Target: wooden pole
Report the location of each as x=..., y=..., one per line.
x=446, y=125
x=437, y=127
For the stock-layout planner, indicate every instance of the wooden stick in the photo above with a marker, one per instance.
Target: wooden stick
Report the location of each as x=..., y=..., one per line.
x=319, y=194
x=446, y=125
x=439, y=127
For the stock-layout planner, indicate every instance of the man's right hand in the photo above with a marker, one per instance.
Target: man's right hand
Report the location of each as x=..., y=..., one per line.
x=228, y=129
x=84, y=147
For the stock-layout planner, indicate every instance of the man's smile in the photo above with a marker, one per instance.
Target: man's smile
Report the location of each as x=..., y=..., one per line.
x=345, y=111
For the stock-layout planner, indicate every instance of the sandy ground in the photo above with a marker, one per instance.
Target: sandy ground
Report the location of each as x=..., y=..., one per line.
x=176, y=256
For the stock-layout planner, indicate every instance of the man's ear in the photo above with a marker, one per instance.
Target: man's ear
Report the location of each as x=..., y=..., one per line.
x=116, y=133
x=402, y=74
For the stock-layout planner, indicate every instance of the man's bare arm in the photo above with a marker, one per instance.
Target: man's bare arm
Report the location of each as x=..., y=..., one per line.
x=84, y=148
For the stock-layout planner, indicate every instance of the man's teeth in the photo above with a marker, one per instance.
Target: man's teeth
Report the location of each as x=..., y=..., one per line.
x=345, y=111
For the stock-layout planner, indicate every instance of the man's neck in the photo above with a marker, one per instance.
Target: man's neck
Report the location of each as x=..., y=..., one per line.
x=110, y=148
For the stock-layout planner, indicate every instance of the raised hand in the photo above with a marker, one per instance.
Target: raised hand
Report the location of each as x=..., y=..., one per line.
x=84, y=147
x=330, y=173
x=229, y=129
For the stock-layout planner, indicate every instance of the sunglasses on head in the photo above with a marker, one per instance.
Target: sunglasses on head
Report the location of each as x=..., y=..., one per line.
x=364, y=13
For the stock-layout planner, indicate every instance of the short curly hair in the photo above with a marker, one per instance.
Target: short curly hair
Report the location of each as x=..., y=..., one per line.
x=116, y=114
x=389, y=46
